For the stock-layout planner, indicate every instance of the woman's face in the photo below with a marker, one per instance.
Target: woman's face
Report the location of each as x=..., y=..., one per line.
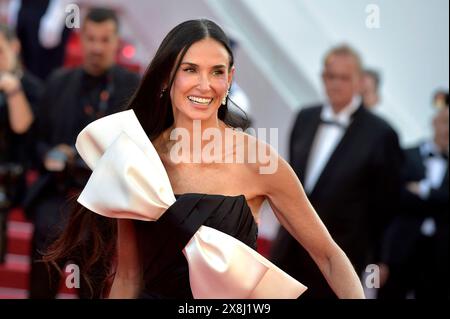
x=202, y=81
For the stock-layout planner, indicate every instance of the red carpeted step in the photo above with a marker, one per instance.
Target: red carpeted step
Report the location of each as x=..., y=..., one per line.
x=19, y=238
x=14, y=272
x=17, y=215
x=12, y=293
x=14, y=276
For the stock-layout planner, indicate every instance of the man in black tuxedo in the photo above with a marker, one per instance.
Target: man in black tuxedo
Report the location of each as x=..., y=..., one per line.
x=72, y=99
x=348, y=161
x=416, y=245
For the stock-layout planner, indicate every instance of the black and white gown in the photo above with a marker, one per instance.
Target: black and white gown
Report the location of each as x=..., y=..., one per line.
x=191, y=245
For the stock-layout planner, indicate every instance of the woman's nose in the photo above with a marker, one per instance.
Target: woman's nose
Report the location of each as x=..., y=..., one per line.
x=204, y=83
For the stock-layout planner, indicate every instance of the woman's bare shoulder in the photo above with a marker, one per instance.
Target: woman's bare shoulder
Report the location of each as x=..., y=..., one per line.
x=259, y=156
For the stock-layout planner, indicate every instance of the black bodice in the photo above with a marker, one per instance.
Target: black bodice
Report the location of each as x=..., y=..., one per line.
x=160, y=243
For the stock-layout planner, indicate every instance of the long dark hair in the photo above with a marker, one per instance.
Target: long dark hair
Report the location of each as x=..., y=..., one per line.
x=90, y=239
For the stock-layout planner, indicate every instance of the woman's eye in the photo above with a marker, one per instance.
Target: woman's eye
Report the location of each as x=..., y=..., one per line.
x=218, y=72
x=189, y=70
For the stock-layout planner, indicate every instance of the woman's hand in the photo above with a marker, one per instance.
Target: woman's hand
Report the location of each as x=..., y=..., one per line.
x=9, y=83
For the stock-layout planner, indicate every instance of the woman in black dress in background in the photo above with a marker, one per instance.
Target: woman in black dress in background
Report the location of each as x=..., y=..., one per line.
x=187, y=83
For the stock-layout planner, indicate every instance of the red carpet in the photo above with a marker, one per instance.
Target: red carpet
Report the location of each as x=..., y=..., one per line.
x=14, y=272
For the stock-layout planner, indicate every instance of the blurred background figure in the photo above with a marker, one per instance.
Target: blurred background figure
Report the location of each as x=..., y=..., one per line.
x=348, y=161
x=19, y=93
x=370, y=88
x=40, y=26
x=72, y=99
x=240, y=105
x=440, y=99
x=416, y=246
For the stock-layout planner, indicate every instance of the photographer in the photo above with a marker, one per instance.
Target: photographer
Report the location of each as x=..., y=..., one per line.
x=19, y=92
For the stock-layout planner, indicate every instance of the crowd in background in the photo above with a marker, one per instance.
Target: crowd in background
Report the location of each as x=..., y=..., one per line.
x=383, y=205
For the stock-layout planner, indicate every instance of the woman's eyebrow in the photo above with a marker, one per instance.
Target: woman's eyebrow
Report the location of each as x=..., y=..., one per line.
x=218, y=66
x=189, y=63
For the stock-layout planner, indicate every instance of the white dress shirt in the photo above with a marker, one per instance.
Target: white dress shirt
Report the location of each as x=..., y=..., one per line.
x=327, y=138
x=435, y=169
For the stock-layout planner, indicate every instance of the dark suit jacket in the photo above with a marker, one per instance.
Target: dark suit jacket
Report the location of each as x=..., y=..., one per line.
x=58, y=118
x=404, y=233
x=354, y=196
x=61, y=105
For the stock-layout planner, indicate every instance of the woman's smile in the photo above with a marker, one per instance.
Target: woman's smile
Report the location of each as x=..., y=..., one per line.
x=200, y=102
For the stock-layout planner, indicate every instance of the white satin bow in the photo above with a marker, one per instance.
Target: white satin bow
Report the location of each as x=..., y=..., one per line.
x=130, y=181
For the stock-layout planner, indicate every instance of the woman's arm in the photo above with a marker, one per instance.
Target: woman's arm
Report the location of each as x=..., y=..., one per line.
x=128, y=278
x=294, y=211
x=19, y=110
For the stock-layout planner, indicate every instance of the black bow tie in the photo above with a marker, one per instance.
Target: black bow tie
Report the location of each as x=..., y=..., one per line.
x=435, y=154
x=335, y=123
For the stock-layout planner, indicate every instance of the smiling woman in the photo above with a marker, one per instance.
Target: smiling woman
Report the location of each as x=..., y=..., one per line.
x=201, y=83
x=200, y=243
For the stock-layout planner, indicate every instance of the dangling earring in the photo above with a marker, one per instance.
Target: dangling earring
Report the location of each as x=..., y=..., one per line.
x=162, y=93
x=224, y=100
